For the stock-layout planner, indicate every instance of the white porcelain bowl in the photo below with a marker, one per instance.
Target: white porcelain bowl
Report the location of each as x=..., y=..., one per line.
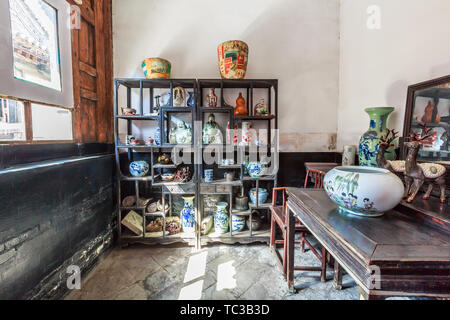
x=364, y=191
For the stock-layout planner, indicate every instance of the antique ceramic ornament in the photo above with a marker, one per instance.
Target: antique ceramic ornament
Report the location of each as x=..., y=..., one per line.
x=221, y=218
x=369, y=143
x=255, y=169
x=156, y=68
x=211, y=99
x=238, y=223
x=139, y=168
x=187, y=215
x=179, y=97
x=191, y=99
x=261, y=108
x=211, y=132
x=207, y=225
x=363, y=191
x=181, y=134
x=241, y=107
x=233, y=59
x=262, y=195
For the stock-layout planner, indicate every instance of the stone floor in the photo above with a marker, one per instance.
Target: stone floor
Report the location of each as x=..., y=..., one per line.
x=217, y=272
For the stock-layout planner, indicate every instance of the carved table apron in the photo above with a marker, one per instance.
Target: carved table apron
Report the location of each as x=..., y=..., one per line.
x=390, y=256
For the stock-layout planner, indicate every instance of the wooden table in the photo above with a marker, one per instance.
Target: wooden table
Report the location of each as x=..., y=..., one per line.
x=391, y=256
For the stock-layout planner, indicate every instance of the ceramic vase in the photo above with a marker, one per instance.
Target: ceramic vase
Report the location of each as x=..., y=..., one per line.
x=262, y=195
x=369, y=143
x=156, y=68
x=139, y=168
x=349, y=155
x=238, y=223
x=187, y=215
x=191, y=100
x=246, y=133
x=221, y=218
x=363, y=191
x=233, y=59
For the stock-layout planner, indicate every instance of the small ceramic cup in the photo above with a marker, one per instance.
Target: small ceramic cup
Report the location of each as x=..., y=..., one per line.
x=229, y=176
x=209, y=175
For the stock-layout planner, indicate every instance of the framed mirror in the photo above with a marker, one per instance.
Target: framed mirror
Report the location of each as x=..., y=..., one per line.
x=429, y=103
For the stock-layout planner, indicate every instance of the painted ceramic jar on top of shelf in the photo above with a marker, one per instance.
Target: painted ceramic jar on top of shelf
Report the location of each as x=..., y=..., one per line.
x=369, y=143
x=156, y=68
x=221, y=218
x=233, y=59
x=187, y=215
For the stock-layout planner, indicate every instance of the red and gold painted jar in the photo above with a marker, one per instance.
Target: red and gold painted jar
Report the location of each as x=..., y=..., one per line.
x=233, y=59
x=156, y=68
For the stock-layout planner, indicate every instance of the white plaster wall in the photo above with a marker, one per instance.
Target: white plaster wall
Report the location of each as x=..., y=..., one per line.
x=377, y=66
x=296, y=41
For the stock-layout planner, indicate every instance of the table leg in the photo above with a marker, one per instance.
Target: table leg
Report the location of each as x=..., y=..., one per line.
x=337, y=275
x=363, y=295
x=290, y=244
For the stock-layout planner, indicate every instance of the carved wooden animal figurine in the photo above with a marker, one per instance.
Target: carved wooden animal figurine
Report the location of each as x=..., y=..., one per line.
x=417, y=174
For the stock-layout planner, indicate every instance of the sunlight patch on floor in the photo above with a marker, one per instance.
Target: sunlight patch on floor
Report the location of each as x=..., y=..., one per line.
x=192, y=291
x=225, y=276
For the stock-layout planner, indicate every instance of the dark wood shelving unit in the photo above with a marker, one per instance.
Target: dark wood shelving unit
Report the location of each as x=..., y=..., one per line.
x=196, y=187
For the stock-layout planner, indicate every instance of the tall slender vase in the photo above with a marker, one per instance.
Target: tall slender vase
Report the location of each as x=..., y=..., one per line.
x=188, y=215
x=221, y=218
x=369, y=143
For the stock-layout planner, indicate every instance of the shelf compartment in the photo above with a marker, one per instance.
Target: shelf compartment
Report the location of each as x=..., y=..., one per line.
x=253, y=206
x=216, y=109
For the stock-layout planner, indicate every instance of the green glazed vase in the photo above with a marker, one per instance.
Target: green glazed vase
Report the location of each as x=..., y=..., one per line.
x=369, y=143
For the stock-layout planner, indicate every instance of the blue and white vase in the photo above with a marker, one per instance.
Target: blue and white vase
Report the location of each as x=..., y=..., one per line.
x=238, y=223
x=157, y=136
x=209, y=175
x=255, y=169
x=221, y=218
x=188, y=215
x=139, y=168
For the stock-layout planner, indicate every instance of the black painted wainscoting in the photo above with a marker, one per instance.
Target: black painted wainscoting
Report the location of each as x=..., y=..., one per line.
x=292, y=171
x=53, y=214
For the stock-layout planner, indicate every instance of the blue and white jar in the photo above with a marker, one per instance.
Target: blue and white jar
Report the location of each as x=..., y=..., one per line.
x=238, y=223
x=255, y=169
x=139, y=168
x=209, y=175
x=262, y=195
x=157, y=136
x=187, y=215
x=221, y=218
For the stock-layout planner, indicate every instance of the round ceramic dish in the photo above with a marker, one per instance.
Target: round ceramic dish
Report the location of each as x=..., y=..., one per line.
x=363, y=191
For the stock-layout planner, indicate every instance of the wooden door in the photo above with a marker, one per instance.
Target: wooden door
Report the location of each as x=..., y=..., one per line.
x=92, y=71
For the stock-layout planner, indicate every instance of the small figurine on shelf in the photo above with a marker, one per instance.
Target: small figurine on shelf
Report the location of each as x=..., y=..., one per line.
x=241, y=108
x=172, y=136
x=179, y=97
x=261, y=108
x=129, y=138
x=157, y=104
x=191, y=100
x=211, y=99
x=128, y=111
x=211, y=132
x=417, y=174
x=164, y=159
x=150, y=141
x=134, y=141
